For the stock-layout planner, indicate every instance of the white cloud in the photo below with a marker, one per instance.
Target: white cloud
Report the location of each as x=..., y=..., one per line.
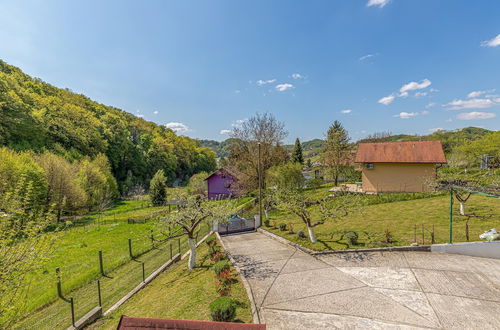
x=177, y=127
x=475, y=94
x=475, y=115
x=492, y=42
x=386, y=100
x=265, y=82
x=283, y=87
x=346, y=111
x=411, y=86
x=420, y=94
x=225, y=132
x=430, y=105
x=239, y=122
x=380, y=3
x=140, y=116
x=367, y=56
x=449, y=120
x=424, y=112
x=436, y=129
x=470, y=104
x=406, y=115
x=155, y=112
x=237, y=91
x=297, y=76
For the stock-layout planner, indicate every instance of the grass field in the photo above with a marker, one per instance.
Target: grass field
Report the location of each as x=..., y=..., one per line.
x=399, y=218
x=76, y=251
x=180, y=294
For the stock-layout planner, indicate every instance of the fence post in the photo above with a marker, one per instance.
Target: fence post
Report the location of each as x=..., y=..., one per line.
x=423, y=240
x=170, y=251
x=101, y=265
x=152, y=240
x=415, y=234
x=70, y=300
x=130, y=248
x=432, y=235
x=99, y=292
x=467, y=231
x=72, y=311
x=451, y=216
x=179, y=243
x=143, y=273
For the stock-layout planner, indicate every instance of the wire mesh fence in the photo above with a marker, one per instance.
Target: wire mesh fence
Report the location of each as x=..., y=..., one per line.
x=145, y=255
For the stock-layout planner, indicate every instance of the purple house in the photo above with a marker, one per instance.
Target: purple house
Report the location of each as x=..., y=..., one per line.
x=221, y=185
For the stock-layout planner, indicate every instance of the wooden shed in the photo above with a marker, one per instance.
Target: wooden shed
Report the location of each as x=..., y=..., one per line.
x=399, y=166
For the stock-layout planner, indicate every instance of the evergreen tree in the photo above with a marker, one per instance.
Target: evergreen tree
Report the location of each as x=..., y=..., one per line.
x=297, y=156
x=336, y=151
x=158, y=189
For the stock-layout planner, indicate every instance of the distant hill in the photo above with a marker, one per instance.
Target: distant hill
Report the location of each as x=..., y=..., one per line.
x=313, y=148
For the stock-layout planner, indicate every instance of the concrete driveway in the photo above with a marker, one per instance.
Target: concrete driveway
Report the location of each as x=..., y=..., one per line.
x=377, y=290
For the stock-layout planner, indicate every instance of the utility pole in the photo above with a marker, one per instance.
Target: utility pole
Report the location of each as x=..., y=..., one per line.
x=260, y=187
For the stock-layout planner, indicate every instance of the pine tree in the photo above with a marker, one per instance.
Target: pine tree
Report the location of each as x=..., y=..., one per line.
x=158, y=189
x=336, y=149
x=297, y=156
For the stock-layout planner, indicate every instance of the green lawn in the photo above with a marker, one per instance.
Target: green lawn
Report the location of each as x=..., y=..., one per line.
x=399, y=218
x=180, y=294
x=76, y=252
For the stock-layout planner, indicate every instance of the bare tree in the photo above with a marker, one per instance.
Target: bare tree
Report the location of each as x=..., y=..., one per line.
x=462, y=198
x=295, y=201
x=269, y=132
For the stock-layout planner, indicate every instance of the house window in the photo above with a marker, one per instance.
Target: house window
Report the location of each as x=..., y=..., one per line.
x=369, y=166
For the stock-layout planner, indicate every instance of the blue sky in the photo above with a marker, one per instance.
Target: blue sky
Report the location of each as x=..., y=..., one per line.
x=405, y=66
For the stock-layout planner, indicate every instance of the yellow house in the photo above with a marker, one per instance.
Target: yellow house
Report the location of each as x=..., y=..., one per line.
x=399, y=166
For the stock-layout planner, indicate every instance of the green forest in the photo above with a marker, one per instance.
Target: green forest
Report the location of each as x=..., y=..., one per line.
x=59, y=148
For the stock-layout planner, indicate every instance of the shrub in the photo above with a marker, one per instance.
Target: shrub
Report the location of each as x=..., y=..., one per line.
x=221, y=266
x=224, y=280
x=301, y=234
x=352, y=236
x=388, y=236
x=267, y=223
x=214, y=249
x=218, y=256
x=223, y=309
x=211, y=241
x=282, y=226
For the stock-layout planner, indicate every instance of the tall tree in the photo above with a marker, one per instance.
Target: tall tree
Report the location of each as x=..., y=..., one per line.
x=263, y=129
x=297, y=156
x=158, y=189
x=336, y=153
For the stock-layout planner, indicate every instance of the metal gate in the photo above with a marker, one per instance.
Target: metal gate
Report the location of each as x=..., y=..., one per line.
x=236, y=225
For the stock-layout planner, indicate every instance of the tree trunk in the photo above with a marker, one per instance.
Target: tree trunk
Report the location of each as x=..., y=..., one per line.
x=266, y=211
x=192, y=254
x=462, y=208
x=312, y=235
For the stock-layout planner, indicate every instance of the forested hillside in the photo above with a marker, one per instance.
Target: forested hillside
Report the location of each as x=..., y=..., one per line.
x=39, y=117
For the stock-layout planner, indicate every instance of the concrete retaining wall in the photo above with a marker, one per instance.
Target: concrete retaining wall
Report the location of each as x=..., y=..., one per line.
x=474, y=249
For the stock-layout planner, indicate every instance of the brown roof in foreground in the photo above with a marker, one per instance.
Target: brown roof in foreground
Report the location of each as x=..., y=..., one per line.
x=130, y=323
x=401, y=152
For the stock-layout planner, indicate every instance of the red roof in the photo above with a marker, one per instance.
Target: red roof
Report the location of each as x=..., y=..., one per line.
x=401, y=152
x=132, y=323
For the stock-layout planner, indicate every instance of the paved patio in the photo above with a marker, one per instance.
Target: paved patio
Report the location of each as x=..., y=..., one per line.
x=378, y=290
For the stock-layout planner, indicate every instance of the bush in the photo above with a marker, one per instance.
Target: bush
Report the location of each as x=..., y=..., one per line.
x=218, y=256
x=211, y=241
x=267, y=223
x=221, y=266
x=223, y=309
x=282, y=226
x=224, y=280
x=301, y=234
x=352, y=236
